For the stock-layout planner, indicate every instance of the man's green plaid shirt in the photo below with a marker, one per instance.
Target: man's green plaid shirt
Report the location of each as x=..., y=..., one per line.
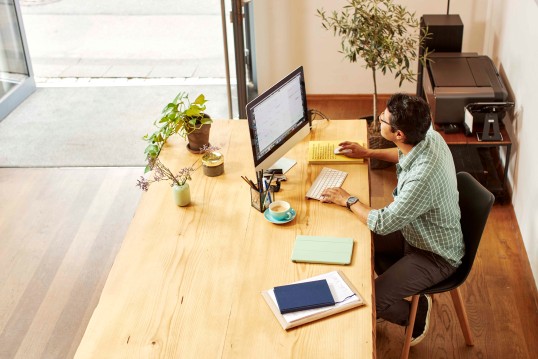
x=425, y=206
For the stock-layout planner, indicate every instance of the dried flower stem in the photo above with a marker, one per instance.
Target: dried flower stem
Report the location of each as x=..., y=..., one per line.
x=161, y=172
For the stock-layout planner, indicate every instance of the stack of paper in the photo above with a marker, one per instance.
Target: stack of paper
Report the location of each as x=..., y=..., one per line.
x=344, y=294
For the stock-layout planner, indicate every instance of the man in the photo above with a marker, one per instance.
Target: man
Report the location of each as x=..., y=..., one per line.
x=417, y=238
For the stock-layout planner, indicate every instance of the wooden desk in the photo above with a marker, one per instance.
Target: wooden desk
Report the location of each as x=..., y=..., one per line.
x=187, y=281
x=491, y=176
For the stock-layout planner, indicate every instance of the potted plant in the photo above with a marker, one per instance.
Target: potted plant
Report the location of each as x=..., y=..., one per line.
x=185, y=118
x=384, y=35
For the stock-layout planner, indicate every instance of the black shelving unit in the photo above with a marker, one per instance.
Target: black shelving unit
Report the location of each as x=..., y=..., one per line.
x=482, y=160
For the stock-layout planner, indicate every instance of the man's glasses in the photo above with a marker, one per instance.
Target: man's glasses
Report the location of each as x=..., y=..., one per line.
x=381, y=118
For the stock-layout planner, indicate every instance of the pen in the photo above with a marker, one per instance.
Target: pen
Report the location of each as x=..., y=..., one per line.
x=253, y=185
x=266, y=188
x=271, y=180
x=259, y=177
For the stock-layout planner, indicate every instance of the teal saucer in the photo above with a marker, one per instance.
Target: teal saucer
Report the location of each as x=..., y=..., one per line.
x=270, y=218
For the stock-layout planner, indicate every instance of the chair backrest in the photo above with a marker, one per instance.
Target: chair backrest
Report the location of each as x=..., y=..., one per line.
x=475, y=204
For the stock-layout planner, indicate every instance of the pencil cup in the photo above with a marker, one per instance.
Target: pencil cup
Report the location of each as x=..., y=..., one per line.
x=261, y=199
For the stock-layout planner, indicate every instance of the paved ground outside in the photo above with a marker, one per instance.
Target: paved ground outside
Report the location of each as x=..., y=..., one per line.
x=125, y=38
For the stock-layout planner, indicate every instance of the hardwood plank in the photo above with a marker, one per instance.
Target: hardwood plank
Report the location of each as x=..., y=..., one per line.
x=64, y=230
x=27, y=238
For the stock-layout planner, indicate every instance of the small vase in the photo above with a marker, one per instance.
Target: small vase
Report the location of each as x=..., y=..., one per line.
x=182, y=194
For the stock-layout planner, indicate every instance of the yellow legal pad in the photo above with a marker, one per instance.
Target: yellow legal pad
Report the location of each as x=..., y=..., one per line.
x=322, y=152
x=319, y=249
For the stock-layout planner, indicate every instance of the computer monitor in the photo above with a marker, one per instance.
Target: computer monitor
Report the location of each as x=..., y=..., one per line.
x=278, y=120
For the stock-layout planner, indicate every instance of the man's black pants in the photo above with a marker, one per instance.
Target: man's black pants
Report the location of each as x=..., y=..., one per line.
x=403, y=271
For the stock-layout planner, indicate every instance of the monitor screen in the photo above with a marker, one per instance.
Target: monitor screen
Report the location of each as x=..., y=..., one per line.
x=278, y=119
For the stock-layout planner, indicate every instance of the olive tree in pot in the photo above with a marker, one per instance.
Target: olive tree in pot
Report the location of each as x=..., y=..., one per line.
x=386, y=37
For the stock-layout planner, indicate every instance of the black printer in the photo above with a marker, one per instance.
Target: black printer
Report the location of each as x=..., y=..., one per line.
x=453, y=80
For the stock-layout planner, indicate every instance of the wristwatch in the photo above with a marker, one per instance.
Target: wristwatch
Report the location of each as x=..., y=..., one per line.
x=351, y=201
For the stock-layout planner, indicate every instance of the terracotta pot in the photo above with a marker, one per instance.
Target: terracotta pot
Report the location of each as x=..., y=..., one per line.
x=198, y=138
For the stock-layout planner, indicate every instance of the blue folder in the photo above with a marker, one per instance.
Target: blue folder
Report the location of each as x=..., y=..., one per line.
x=302, y=296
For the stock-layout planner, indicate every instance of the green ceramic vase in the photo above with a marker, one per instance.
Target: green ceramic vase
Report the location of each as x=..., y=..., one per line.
x=182, y=194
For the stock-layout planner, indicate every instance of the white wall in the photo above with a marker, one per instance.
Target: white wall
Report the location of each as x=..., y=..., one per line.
x=512, y=42
x=289, y=34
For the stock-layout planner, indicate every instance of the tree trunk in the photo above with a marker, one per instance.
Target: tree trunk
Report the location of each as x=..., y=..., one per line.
x=375, y=140
x=375, y=114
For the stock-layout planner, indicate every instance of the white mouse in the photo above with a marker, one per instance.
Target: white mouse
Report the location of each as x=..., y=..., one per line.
x=340, y=151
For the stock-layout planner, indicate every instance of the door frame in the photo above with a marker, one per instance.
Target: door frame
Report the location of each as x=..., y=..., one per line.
x=26, y=87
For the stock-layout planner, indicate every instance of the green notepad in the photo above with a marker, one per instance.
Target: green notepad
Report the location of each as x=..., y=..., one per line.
x=319, y=249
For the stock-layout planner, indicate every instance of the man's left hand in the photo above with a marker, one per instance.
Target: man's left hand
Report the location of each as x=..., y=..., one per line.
x=335, y=195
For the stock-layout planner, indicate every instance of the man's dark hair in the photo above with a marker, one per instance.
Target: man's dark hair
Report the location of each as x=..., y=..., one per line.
x=411, y=115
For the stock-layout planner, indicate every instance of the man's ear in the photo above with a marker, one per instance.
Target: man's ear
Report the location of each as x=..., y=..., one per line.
x=400, y=135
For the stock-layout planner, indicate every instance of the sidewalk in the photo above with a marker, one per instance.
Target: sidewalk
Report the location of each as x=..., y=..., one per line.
x=125, y=39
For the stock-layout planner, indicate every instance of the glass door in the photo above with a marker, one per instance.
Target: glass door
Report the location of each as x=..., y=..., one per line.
x=16, y=76
x=242, y=18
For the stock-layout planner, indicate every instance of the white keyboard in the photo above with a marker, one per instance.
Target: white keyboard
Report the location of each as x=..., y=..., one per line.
x=327, y=178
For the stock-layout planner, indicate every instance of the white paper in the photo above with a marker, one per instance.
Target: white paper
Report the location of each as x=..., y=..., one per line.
x=338, y=287
x=469, y=120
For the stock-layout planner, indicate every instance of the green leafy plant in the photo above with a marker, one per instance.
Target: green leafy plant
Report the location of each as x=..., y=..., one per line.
x=381, y=33
x=179, y=116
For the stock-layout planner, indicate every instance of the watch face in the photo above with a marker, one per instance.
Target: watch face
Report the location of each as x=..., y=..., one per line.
x=351, y=201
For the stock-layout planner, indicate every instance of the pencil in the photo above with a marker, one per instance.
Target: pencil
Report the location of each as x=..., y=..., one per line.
x=249, y=182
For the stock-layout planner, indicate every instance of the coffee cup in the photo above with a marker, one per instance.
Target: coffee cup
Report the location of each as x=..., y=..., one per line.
x=280, y=210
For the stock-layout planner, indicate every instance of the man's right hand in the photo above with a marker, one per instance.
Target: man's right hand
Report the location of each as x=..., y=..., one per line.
x=354, y=150
x=358, y=151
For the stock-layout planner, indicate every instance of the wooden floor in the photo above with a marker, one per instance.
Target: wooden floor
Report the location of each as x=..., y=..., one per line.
x=61, y=228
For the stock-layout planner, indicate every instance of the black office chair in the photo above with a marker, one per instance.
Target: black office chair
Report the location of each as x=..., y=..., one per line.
x=475, y=204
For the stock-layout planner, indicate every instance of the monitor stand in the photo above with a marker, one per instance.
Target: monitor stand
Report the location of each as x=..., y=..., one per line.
x=284, y=163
